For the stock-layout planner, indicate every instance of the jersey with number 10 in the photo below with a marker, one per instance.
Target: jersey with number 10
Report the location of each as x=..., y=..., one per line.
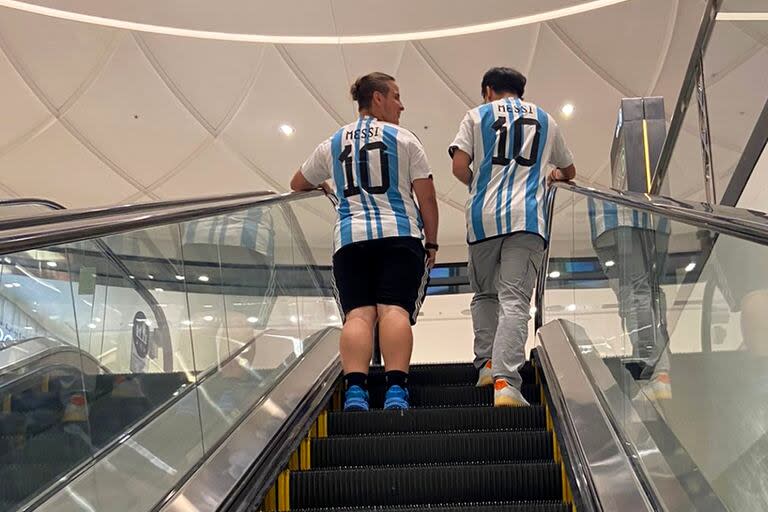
x=372, y=164
x=511, y=143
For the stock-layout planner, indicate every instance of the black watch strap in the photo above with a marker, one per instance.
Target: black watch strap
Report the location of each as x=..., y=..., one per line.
x=430, y=246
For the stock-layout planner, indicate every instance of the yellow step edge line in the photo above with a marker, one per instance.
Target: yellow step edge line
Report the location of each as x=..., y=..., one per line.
x=293, y=463
x=270, y=500
x=284, y=494
x=7, y=403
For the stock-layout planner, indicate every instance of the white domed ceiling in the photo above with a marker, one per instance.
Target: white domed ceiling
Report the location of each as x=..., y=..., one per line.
x=96, y=115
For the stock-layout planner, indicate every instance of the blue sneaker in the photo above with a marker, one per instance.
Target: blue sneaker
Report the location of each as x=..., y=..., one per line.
x=396, y=398
x=356, y=399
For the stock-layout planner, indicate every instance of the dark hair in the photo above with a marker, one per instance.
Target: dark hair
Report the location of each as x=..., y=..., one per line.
x=504, y=80
x=364, y=87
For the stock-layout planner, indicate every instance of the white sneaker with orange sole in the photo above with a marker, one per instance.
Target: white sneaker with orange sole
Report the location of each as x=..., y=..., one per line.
x=505, y=395
x=486, y=376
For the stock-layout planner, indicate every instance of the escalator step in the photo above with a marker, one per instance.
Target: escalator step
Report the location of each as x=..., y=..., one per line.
x=436, y=419
x=419, y=485
x=457, y=447
x=520, y=506
x=442, y=374
x=450, y=396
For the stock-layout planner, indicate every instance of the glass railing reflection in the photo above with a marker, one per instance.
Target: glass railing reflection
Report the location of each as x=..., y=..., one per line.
x=173, y=334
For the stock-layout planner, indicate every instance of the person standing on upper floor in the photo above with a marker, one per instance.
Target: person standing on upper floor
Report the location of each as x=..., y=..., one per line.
x=380, y=264
x=512, y=144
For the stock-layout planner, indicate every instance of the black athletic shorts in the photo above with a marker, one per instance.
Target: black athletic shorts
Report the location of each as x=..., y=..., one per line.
x=385, y=271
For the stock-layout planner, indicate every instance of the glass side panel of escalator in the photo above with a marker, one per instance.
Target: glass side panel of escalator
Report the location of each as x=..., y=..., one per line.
x=670, y=321
x=126, y=359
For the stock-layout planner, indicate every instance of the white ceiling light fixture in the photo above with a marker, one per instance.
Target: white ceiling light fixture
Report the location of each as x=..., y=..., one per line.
x=567, y=109
x=690, y=267
x=287, y=130
x=179, y=277
x=52, y=264
x=208, y=318
x=252, y=319
x=610, y=263
x=203, y=279
x=325, y=40
x=554, y=275
x=742, y=16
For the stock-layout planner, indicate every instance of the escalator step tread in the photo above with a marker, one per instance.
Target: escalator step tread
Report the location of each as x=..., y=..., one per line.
x=439, y=374
x=455, y=447
x=432, y=419
x=521, y=506
x=420, y=485
x=450, y=396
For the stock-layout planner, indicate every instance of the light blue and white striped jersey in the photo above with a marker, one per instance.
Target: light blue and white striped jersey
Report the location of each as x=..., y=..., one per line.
x=605, y=216
x=372, y=164
x=512, y=143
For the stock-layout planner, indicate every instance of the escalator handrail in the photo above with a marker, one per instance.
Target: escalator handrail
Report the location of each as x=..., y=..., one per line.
x=750, y=225
x=61, y=228
x=34, y=201
x=740, y=222
x=66, y=214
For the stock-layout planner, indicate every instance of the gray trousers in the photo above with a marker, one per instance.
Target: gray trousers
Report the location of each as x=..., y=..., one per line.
x=639, y=256
x=502, y=272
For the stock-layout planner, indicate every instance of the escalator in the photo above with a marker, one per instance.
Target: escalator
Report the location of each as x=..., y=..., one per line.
x=233, y=403
x=451, y=451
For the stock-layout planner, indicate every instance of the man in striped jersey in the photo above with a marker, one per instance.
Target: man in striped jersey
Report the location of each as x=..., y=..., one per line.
x=512, y=144
x=380, y=265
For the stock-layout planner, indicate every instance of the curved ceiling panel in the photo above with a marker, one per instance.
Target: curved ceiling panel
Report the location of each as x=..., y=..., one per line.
x=432, y=112
x=465, y=59
x=229, y=69
x=305, y=17
x=589, y=131
x=214, y=171
x=60, y=57
x=309, y=17
x=134, y=119
x=45, y=169
x=409, y=16
x=687, y=21
x=324, y=70
x=628, y=53
x=278, y=97
x=22, y=111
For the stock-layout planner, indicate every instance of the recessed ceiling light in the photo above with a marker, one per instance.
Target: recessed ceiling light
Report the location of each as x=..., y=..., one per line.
x=150, y=276
x=610, y=263
x=204, y=279
x=186, y=322
x=252, y=319
x=159, y=290
x=287, y=130
x=179, y=278
x=554, y=275
x=208, y=318
x=91, y=326
x=52, y=264
x=567, y=109
x=294, y=319
x=690, y=267
x=571, y=307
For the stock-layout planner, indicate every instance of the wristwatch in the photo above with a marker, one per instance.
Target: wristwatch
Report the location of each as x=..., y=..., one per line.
x=430, y=246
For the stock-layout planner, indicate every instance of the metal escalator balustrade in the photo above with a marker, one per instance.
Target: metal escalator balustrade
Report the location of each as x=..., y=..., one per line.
x=678, y=365
x=190, y=312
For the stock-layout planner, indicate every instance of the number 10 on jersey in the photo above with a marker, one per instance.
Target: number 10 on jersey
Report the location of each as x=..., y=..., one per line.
x=363, y=169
